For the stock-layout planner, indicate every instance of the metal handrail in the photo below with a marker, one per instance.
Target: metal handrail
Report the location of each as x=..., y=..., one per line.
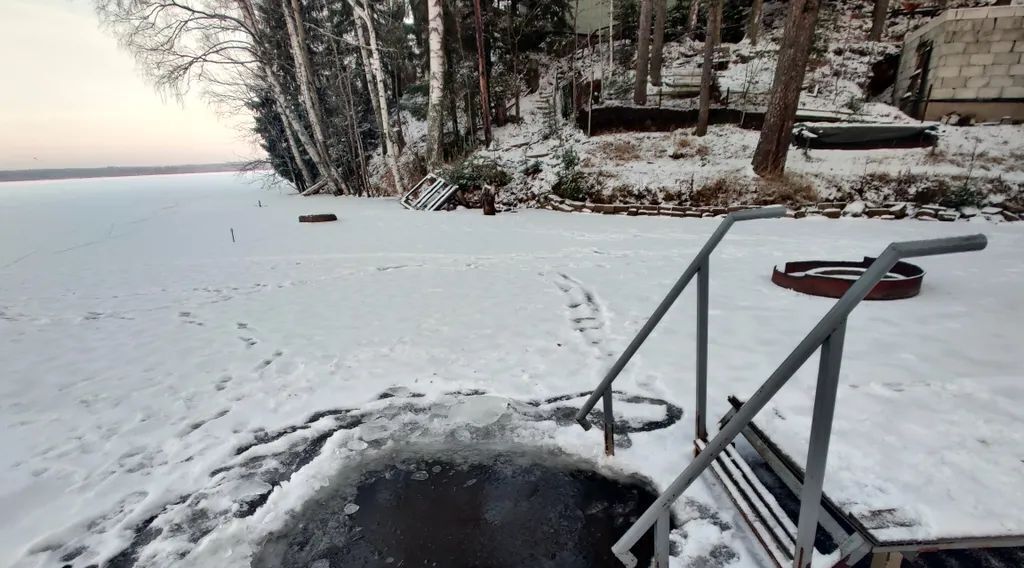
x=699, y=264
x=828, y=334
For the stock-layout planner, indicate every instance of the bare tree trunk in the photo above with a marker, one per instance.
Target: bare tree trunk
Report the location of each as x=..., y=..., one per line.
x=363, y=13
x=435, y=30
x=307, y=176
x=716, y=31
x=310, y=100
x=878, y=20
x=364, y=54
x=485, y=103
x=754, y=21
x=660, y=9
x=691, y=20
x=777, y=132
x=575, y=49
x=293, y=128
x=611, y=33
x=513, y=11
x=354, y=122
x=643, y=44
x=307, y=141
x=707, y=74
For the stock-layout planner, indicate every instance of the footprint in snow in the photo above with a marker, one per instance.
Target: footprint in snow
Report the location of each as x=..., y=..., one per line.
x=586, y=315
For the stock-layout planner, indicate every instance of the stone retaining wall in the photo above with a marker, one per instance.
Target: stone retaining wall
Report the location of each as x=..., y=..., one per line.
x=829, y=210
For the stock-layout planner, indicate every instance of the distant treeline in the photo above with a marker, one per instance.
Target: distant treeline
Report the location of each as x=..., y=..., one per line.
x=114, y=171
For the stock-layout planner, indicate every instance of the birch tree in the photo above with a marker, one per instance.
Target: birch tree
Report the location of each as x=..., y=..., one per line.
x=691, y=19
x=292, y=10
x=364, y=19
x=219, y=43
x=777, y=132
x=435, y=24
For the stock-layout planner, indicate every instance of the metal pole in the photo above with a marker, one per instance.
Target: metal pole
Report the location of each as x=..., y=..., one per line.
x=817, y=450
x=609, y=423
x=661, y=542
x=703, y=284
x=785, y=370
x=673, y=294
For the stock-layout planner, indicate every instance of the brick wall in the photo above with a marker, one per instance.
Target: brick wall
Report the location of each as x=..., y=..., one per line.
x=977, y=54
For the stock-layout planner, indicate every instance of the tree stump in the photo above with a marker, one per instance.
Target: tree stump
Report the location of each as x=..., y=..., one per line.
x=488, y=200
x=318, y=218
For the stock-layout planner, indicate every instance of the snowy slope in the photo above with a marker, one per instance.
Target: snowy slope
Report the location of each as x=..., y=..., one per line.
x=156, y=370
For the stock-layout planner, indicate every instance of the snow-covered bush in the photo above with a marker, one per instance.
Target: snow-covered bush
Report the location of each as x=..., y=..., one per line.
x=475, y=172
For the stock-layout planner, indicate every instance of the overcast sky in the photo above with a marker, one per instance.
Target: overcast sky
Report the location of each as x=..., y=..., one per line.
x=71, y=97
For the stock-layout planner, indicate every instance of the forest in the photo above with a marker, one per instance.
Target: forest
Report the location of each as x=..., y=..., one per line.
x=364, y=97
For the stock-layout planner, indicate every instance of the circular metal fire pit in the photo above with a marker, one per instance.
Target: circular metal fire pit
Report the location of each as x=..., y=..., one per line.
x=832, y=279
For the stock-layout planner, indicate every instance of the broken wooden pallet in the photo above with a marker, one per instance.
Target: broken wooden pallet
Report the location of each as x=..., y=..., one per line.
x=429, y=194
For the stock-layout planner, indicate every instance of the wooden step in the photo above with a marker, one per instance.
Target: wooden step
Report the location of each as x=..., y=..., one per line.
x=763, y=513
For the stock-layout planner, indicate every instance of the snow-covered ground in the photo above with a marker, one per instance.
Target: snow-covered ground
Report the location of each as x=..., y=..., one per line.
x=166, y=386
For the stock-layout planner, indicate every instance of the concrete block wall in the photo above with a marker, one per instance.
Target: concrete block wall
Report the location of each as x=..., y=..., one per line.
x=977, y=54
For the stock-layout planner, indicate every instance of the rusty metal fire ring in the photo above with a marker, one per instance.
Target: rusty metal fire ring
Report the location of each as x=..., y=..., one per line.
x=832, y=279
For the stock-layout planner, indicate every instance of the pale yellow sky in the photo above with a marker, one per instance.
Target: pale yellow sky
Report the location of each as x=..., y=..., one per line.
x=71, y=97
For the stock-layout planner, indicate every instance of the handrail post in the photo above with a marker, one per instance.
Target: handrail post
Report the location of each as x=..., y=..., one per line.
x=817, y=449
x=830, y=328
x=703, y=284
x=662, y=546
x=609, y=423
x=670, y=298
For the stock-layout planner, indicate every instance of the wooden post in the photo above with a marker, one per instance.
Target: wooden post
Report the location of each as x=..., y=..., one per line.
x=886, y=560
x=488, y=200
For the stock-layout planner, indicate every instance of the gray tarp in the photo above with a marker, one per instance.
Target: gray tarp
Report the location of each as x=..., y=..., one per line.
x=862, y=136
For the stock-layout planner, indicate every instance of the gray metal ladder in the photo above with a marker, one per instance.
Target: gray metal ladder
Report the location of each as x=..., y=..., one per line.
x=828, y=334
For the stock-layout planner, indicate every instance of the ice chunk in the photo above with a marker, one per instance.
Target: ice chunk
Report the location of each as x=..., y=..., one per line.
x=375, y=430
x=420, y=475
x=479, y=410
x=356, y=445
x=350, y=509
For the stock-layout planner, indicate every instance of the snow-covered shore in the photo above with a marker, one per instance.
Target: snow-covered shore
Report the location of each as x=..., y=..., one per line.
x=142, y=349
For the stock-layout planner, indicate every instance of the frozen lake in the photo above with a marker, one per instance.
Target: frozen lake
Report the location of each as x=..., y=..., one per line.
x=159, y=377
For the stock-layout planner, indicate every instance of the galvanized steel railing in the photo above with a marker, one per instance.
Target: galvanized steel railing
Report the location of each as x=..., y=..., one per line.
x=698, y=267
x=827, y=334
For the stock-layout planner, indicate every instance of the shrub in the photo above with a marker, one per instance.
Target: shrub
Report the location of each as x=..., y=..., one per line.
x=572, y=183
x=684, y=147
x=575, y=185
x=475, y=172
x=414, y=101
x=790, y=189
x=533, y=168
x=963, y=195
x=723, y=190
x=569, y=159
x=619, y=151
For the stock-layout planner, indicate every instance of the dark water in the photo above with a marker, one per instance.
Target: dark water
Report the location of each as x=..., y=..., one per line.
x=494, y=511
